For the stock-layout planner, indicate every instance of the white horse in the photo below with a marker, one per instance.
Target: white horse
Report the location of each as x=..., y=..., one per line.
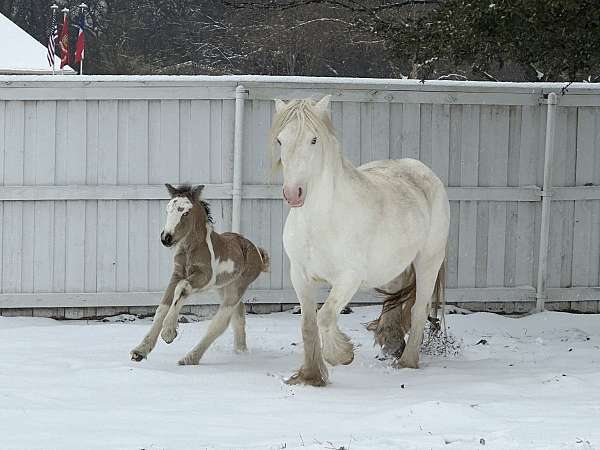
x=374, y=226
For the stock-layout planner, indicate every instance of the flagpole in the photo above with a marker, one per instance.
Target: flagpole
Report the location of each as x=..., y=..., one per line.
x=54, y=7
x=82, y=9
x=65, y=11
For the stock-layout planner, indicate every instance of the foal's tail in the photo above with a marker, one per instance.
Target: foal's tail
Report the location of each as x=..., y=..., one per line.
x=394, y=322
x=265, y=259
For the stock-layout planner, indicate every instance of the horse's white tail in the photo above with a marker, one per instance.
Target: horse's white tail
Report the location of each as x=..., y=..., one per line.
x=394, y=322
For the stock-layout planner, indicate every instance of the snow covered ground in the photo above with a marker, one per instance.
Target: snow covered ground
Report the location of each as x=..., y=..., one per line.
x=534, y=384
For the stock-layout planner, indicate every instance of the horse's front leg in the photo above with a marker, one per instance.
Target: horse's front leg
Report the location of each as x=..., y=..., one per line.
x=337, y=347
x=313, y=370
x=197, y=280
x=148, y=343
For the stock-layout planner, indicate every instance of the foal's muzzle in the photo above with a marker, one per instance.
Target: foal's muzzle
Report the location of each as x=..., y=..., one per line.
x=166, y=239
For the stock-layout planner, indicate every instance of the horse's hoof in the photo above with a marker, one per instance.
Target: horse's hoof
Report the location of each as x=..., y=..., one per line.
x=341, y=359
x=406, y=363
x=168, y=335
x=348, y=360
x=137, y=355
x=338, y=349
x=188, y=361
x=310, y=379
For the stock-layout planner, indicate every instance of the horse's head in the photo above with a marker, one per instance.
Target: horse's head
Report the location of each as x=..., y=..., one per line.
x=301, y=130
x=185, y=210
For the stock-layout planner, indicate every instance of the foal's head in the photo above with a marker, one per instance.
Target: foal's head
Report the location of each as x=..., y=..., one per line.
x=301, y=130
x=186, y=211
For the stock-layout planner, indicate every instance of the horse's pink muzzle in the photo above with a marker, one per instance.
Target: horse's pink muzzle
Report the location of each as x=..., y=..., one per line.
x=294, y=195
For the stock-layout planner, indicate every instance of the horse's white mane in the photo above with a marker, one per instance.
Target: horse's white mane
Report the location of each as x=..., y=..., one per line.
x=303, y=111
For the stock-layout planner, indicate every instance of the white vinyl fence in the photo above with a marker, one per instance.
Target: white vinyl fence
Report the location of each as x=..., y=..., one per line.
x=83, y=161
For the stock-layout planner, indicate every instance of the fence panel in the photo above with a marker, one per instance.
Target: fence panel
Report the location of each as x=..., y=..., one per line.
x=81, y=170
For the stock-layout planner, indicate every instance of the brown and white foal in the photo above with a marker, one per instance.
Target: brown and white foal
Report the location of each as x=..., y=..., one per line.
x=203, y=260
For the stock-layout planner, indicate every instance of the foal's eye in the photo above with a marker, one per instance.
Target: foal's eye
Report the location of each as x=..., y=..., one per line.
x=314, y=141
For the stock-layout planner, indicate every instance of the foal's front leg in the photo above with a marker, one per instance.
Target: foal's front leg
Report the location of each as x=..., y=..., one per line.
x=149, y=341
x=197, y=280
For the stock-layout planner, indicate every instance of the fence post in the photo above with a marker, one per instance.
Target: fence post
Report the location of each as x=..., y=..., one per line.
x=236, y=189
x=546, y=202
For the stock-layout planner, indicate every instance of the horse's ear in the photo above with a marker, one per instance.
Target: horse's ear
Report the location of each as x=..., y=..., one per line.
x=322, y=106
x=173, y=192
x=279, y=105
x=197, y=191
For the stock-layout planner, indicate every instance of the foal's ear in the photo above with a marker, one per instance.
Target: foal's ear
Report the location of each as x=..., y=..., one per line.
x=279, y=105
x=322, y=106
x=173, y=191
x=197, y=191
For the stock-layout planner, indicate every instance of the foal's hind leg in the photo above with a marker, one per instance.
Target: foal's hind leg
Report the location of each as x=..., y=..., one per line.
x=337, y=347
x=426, y=273
x=230, y=297
x=238, y=323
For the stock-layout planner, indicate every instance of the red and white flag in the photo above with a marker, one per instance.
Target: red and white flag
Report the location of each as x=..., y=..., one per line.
x=80, y=47
x=63, y=43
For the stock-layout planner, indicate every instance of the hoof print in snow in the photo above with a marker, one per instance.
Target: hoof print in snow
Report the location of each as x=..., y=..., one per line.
x=346, y=310
x=482, y=342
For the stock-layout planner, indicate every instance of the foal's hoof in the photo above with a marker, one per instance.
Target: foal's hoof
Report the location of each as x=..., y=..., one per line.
x=311, y=379
x=137, y=355
x=168, y=335
x=189, y=360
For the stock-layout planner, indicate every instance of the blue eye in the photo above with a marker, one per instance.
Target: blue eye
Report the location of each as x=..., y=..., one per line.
x=314, y=141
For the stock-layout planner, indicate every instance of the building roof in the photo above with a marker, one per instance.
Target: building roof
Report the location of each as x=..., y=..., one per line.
x=22, y=53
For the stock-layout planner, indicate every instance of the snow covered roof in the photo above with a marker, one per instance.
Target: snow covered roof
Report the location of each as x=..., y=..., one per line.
x=23, y=54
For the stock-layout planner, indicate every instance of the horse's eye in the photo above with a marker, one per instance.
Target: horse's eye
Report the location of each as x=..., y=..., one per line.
x=278, y=141
x=314, y=141
x=186, y=213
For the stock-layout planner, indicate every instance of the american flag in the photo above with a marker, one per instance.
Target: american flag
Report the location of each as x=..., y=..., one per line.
x=52, y=40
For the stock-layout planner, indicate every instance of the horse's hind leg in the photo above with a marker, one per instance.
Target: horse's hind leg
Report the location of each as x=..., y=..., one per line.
x=238, y=323
x=230, y=297
x=337, y=347
x=426, y=273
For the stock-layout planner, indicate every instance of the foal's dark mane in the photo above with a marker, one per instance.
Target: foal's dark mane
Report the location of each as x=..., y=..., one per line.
x=187, y=190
